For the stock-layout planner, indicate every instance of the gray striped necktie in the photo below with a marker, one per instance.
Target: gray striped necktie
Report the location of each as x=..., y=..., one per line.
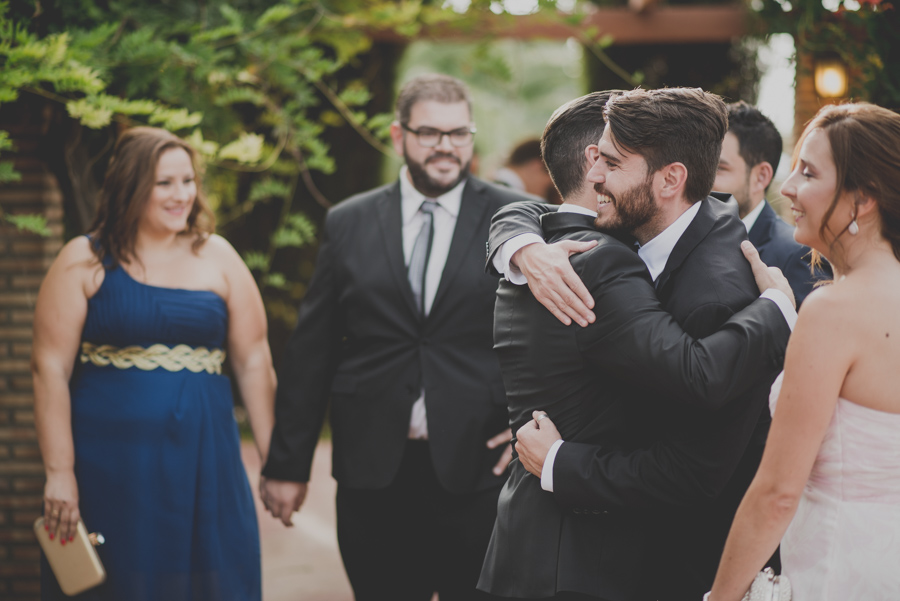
x=418, y=260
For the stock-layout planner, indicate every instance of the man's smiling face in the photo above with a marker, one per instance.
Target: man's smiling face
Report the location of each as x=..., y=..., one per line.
x=624, y=189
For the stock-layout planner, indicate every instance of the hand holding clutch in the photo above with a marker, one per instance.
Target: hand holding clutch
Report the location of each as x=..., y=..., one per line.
x=76, y=565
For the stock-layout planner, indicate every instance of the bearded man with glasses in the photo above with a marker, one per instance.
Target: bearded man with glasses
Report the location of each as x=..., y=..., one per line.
x=396, y=330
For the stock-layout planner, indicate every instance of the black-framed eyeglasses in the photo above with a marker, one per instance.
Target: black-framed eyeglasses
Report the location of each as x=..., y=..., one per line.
x=429, y=137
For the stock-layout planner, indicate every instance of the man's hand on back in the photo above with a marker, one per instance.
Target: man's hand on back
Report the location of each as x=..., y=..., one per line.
x=766, y=277
x=554, y=283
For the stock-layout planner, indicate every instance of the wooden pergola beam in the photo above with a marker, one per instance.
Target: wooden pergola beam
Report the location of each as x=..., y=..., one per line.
x=655, y=25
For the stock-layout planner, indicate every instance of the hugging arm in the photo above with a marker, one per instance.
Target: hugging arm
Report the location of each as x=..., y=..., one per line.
x=644, y=346
x=634, y=337
x=514, y=220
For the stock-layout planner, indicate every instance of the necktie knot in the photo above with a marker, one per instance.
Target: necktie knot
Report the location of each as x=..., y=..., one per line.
x=428, y=206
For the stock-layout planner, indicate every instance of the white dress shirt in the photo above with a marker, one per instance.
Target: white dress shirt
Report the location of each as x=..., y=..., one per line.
x=655, y=253
x=750, y=218
x=445, y=215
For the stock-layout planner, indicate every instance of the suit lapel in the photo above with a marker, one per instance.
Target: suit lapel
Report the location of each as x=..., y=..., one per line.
x=390, y=220
x=472, y=210
x=694, y=234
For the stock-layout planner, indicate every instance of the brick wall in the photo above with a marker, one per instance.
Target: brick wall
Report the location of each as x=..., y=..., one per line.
x=24, y=258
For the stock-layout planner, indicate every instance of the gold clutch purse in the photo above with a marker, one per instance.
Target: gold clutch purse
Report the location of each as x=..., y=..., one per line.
x=76, y=564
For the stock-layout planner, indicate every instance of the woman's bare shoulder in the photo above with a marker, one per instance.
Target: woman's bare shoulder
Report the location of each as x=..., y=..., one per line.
x=217, y=248
x=77, y=263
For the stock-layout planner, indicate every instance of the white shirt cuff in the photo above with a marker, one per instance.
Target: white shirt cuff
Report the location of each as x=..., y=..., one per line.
x=504, y=254
x=547, y=470
x=784, y=303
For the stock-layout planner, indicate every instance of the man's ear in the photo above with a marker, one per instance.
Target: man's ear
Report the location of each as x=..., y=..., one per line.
x=592, y=153
x=397, y=137
x=760, y=177
x=672, y=179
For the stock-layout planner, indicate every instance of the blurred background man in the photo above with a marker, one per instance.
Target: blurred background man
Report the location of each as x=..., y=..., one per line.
x=525, y=170
x=750, y=155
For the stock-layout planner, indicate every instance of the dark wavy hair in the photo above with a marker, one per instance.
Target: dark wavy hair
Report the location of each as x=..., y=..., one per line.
x=672, y=125
x=758, y=139
x=129, y=182
x=865, y=147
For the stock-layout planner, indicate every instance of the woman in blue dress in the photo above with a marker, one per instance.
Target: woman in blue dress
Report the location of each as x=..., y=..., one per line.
x=132, y=326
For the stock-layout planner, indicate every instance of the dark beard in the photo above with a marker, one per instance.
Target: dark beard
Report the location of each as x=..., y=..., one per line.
x=425, y=184
x=634, y=209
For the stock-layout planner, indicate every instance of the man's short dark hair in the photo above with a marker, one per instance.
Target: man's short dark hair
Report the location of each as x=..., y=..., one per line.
x=758, y=140
x=434, y=86
x=672, y=125
x=572, y=127
x=525, y=152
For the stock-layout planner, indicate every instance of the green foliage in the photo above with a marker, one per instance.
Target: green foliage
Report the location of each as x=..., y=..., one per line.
x=35, y=224
x=254, y=85
x=296, y=231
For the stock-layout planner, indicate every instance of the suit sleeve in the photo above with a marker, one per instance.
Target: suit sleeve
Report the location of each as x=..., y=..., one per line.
x=673, y=472
x=634, y=336
x=683, y=468
x=306, y=371
x=510, y=221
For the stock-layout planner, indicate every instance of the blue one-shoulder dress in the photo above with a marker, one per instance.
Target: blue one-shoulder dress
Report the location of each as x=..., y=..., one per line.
x=157, y=454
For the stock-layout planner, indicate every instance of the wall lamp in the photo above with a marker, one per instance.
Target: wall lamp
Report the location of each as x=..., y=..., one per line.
x=830, y=78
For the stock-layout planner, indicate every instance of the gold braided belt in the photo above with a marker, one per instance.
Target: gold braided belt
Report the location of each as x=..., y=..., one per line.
x=159, y=355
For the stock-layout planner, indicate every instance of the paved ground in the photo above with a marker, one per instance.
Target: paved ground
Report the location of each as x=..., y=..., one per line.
x=301, y=563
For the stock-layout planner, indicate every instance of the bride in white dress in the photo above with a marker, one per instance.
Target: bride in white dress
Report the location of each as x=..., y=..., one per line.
x=828, y=486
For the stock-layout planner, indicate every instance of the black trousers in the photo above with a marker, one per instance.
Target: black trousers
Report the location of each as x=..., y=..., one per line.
x=406, y=541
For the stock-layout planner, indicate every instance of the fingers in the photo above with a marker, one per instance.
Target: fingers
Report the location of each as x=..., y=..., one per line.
x=555, y=284
x=52, y=512
x=285, y=516
x=61, y=520
x=500, y=439
x=68, y=524
x=505, y=458
x=283, y=498
x=574, y=247
x=752, y=256
x=567, y=306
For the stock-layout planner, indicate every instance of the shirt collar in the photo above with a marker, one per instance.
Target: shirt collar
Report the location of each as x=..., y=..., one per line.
x=751, y=217
x=411, y=199
x=568, y=207
x=656, y=252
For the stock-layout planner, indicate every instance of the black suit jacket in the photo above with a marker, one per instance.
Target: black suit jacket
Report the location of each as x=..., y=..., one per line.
x=360, y=342
x=585, y=379
x=774, y=239
x=682, y=468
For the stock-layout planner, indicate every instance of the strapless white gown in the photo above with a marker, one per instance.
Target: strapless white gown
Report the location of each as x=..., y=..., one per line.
x=844, y=542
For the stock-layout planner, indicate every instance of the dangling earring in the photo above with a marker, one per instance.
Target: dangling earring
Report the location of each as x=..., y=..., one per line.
x=853, y=228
